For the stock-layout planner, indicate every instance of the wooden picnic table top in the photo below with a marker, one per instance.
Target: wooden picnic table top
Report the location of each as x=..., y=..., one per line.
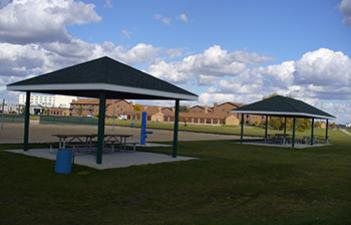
x=74, y=135
x=91, y=135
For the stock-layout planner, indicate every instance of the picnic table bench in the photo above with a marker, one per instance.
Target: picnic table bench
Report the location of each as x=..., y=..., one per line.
x=90, y=140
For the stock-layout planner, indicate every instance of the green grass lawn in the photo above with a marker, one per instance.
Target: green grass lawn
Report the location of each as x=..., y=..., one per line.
x=229, y=184
x=221, y=129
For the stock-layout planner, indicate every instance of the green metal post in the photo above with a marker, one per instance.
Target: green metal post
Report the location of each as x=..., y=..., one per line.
x=293, y=133
x=266, y=129
x=312, y=132
x=285, y=120
x=101, y=128
x=326, y=131
x=26, y=121
x=242, y=128
x=2, y=115
x=175, y=129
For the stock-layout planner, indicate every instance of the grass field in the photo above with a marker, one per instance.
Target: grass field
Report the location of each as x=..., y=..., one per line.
x=229, y=184
x=221, y=129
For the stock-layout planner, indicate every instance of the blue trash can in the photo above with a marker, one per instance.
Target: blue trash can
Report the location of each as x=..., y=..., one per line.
x=63, y=161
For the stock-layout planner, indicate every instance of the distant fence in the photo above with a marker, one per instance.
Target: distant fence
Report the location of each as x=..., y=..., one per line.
x=12, y=118
x=68, y=120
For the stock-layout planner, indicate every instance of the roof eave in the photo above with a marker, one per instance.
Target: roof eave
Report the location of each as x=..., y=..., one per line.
x=269, y=113
x=104, y=87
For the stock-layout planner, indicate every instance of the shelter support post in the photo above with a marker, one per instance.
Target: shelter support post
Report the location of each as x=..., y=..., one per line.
x=293, y=132
x=285, y=121
x=2, y=114
x=326, y=131
x=175, y=129
x=101, y=128
x=242, y=127
x=26, y=122
x=312, y=132
x=266, y=129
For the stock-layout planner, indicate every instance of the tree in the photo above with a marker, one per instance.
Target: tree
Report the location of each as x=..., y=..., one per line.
x=138, y=107
x=80, y=110
x=303, y=124
x=45, y=111
x=183, y=108
x=276, y=123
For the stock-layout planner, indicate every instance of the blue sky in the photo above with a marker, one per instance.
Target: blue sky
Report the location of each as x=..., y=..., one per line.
x=236, y=51
x=282, y=29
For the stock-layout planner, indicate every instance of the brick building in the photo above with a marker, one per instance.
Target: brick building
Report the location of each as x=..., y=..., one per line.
x=218, y=114
x=53, y=111
x=90, y=107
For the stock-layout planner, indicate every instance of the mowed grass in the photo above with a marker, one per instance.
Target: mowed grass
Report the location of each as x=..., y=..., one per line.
x=228, y=184
x=214, y=129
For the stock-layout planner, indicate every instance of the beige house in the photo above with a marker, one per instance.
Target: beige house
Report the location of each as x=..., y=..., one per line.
x=232, y=120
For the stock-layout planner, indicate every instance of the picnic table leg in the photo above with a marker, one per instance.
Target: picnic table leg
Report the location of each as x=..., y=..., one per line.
x=90, y=143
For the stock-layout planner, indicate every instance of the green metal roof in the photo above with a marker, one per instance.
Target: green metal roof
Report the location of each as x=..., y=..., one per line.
x=283, y=106
x=104, y=74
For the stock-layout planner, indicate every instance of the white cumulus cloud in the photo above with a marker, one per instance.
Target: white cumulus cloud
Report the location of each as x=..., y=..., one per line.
x=126, y=33
x=345, y=8
x=183, y=18
x=212, y=62
x=28, y=21
x=163, y=19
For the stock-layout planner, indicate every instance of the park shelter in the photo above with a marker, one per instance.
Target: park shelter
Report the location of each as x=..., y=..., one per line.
x=102, y=78
x=281, y=106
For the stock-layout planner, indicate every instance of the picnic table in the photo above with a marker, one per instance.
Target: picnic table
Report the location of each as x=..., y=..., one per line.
x=278, y=139
x=88, y=140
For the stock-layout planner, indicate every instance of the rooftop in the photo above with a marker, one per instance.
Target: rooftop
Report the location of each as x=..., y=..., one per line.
x=115, y=79
x=283, y=106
